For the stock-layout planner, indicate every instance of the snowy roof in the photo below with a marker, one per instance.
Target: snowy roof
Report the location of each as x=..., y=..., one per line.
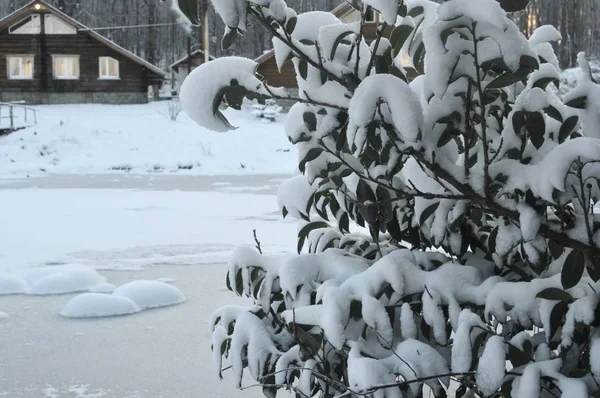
x=193, y=53
x=28, y=8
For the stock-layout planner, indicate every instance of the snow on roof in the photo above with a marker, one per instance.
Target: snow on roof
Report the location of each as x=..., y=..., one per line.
x=195, y=52
x=27, y=8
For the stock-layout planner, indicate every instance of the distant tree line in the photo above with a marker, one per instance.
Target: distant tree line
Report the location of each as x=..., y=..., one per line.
x=162, y=45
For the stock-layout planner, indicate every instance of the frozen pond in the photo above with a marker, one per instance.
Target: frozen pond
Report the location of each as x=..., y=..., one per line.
x=128, y=228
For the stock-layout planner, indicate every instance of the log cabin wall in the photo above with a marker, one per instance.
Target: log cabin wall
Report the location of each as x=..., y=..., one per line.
x=131, y=86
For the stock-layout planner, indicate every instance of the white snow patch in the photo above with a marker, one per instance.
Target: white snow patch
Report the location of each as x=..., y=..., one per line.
x=3, y=315
x=150, y=294
x=93, y=305
x=49, y=280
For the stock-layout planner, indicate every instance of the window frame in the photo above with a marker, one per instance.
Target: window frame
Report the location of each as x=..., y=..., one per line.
x=32, y=16
x=107, y=60
x=55, y=57
x=21, y=57
x=46, y=24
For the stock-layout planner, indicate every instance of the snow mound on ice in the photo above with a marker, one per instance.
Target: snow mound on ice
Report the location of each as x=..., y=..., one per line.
x=12, y=284
x=93, y=305
x=3, y=315
x=49, y=280
x=150, y=294
x=106, y=288
x=66, y=281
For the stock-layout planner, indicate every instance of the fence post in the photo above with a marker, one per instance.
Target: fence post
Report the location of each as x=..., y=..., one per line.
x=12, y=122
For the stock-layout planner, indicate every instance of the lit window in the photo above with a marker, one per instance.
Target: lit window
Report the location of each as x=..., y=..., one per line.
x=109, y=68
x=20, y=67
x=66, y=66
x=55, y=26
x=30, y=25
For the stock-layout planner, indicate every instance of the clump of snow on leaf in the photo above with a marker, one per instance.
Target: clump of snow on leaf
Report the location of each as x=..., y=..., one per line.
x=202, y=90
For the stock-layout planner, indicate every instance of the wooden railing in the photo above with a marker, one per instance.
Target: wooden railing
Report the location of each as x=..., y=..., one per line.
x=16, y=115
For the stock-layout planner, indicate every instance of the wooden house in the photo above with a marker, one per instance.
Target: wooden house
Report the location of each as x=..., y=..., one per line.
x=47, y=57
x=267, y=66
x=184, y=66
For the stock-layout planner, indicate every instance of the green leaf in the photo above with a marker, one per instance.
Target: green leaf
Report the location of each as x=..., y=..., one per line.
x=229, y=39
x=399, y=36
x=513, y=5
x=416, y=11
x=310, y=156
x=307, y=229
x=290, y=25
x=310, y=119
x=572, y=270
x=492, y=240
x=189, y=8
x=554, y=113
x=303, y=68
x=428, y=212
x=567, y=128
x=553, y=293
x=578, y=103
x=364, y=193
x=518, y=121
x=239, y=283
x=518, y=357
x=556, y=316
x=555, y=249
x=537, y=128
x=509, y=78
x=337, y=42
x=234, y=96
x=227, y=283
x=447, y=135
x=543, y=82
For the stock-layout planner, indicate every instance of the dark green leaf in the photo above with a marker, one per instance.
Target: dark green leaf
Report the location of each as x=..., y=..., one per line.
x=290, y=25
x=229, y=39
x=567, y=128
x=307, y=229
x=428, y=212
x=189, y=8
x=416, y=11
x=555, y=249
x=303, y=68
x=536, y=126
x=578, y=103
x=518, y=121
x=337, y=42
x=447, y=135
x=310, y=119
x=556, y=316
x=518, y=357
x=513, y=5
x=492, y=240
x=310, y=156
x=554, y=113
x=398, y=37
x=239, y=283
x=553, y=293
x=543, y=82
x=509, y=78
x=572, y=270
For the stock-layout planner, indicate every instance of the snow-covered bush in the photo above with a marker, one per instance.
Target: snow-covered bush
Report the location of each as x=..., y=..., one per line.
x=475, y=185
x=267, y=111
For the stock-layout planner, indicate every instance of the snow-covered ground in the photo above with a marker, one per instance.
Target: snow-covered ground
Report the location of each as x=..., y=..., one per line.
x=141, y=139
x=176, y=229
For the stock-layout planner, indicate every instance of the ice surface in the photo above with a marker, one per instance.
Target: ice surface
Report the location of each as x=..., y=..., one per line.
x=93, y=305
x=106, y=288
x=150, y=294
x=3, y=315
